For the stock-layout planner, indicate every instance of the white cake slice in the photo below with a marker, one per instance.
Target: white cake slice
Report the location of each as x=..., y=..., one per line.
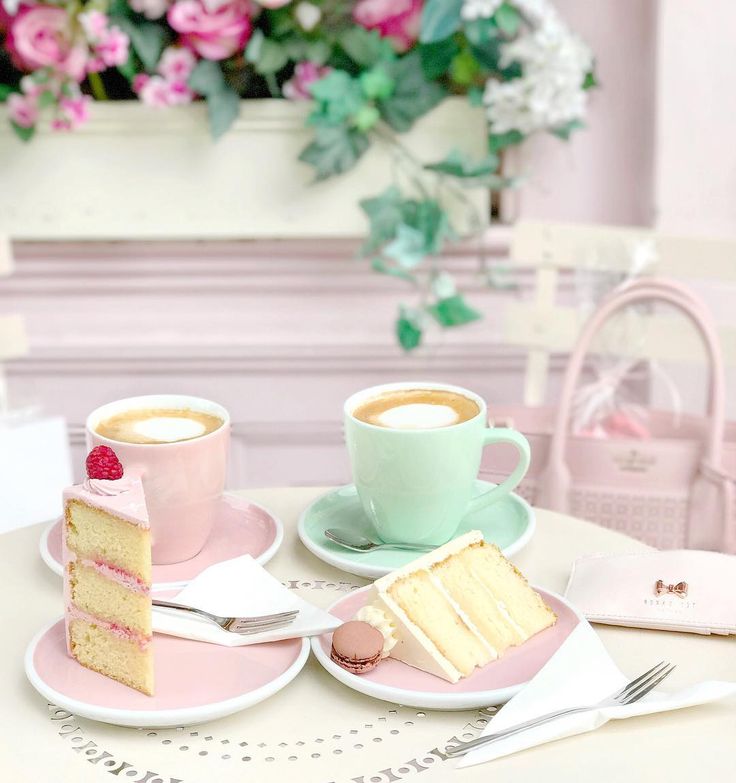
x=455, y=609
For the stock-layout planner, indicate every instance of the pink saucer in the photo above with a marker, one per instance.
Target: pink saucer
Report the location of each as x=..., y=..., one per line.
x=241, y=528
x=194, y=681
x=495, y=683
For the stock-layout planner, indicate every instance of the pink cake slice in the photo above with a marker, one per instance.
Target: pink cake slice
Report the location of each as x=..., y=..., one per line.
x=107, y=579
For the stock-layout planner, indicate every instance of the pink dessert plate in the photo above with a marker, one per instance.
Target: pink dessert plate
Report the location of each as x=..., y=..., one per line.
x=494, y=683
x=195, y=681
x=241, y=527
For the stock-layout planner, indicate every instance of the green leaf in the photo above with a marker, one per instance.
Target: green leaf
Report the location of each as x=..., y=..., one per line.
x=128, y=68
x=365, y=47
x=475, y=96
x=436, y=57
x=5, y=91
x=440, y=19
x=464, y=68
x=413, y=96
x=508, y=19
x=431, y=219
x=206, y=78
x=443, y=286
x=318, y=52
x=267, y=55
x=590, y=81
x=409, y=248
x=408, y=332
x=385, y=214
x=565, y=131
x=46, y=99
x=376, y=83
x=366, y=117
x=338, y=98
x=459, y=164
x=335, y=149
x=453, y=311
x=497, y=141
x=24, y=134
x=223, y=108
x=147, y=39
x=379, y=265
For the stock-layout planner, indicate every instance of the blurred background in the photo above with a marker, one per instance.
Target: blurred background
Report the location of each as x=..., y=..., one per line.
x=139, y=256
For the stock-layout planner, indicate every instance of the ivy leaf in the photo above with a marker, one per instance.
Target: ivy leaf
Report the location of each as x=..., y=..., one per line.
x=497, y=141
x=458, y=164
x=376, y=83
x=147, y=39
x=413, y=96
x=440, y=19
x=335, y=149
x=206, y=77
x=464, y=68
x=268, y=56
x=379, y=265
x=365, y=47
x=128, y=68
x=590, y=81
x=223, y=108
x=432, y=221
x=5, y=91
x=508, y=19
x=443, y=286
x=453, y=311
x=385, y=214
x=408, y=331
x=318, y=52
x=565, y=131
x=338, y=98
x=46, y=99
x=436, y=57
x=409, y=248
x=24, y=134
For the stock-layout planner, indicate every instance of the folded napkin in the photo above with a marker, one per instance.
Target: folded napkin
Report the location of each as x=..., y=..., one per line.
x=581, y=672
x=239, y=588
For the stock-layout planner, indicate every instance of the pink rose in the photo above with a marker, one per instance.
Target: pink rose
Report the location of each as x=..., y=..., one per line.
x=75, y=110
x=159, y=92
x=216, y=34
x=112, y=48
x=41, y=37
x=306, y=73
x=397, y=20
x=23, y=109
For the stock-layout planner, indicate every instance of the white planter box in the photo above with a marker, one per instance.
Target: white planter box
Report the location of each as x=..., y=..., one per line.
x=135, y=172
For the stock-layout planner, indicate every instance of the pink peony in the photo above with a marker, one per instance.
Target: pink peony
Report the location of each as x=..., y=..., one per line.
x=176, y=63
x=214, y=35
x=22, y=109
x=397, y=20
x=41, y=36
x=306, y=73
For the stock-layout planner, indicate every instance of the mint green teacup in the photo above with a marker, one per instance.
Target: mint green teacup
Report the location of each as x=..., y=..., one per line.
x=416, y=485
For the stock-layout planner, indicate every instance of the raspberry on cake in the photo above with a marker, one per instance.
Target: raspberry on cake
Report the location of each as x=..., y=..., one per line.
x=107, y=573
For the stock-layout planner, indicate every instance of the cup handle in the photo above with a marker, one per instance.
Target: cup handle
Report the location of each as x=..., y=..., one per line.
x=504, y=435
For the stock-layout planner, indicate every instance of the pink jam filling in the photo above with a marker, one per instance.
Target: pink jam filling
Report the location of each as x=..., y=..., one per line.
x=117, y=574
x=75, y=613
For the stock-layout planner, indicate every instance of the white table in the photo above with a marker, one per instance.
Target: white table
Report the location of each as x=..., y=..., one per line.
x=318, y=731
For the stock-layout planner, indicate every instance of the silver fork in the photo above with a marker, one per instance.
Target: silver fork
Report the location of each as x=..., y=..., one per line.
x=240, y=625
x=631, y=693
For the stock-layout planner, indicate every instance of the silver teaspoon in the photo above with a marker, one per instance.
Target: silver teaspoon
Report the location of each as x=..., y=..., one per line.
x=359, y=543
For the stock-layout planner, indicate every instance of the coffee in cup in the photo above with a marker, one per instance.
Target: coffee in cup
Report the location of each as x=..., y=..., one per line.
x=417, y=409
x=158, y=425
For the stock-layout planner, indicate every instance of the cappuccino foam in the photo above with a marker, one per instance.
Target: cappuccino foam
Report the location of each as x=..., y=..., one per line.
x=417, y=409
x=151, y=425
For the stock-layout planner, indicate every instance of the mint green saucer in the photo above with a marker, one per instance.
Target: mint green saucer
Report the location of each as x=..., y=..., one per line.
x=508, y=523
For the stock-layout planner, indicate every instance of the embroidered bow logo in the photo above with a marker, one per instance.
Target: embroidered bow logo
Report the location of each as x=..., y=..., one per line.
x=680, y=589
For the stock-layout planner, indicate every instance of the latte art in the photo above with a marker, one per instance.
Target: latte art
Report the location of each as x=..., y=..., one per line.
x=151, y=425
x=417, y=409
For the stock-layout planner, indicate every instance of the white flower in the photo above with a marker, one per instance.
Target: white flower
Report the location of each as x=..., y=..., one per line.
x=479, y=9
x=308, y=15
x=11, y=6
x=549, y=93
x=151, y=9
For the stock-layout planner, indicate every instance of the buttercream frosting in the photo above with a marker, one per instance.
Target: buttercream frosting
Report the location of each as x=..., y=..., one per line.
x=381, y=622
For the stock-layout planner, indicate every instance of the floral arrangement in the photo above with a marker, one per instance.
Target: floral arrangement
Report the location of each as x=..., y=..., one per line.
x=371, y=69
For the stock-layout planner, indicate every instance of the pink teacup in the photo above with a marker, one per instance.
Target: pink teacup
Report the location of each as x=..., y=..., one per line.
x=183, y=481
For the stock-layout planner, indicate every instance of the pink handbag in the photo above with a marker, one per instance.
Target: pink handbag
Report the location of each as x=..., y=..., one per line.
x=676, y=489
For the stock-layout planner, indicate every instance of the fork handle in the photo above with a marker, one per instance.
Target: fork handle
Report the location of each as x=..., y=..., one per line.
x=173, y=605
x=466, y=747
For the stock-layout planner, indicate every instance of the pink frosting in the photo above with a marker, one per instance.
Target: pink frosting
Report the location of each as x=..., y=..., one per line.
x=115, y=574
x=123, y=498
x=75, y=613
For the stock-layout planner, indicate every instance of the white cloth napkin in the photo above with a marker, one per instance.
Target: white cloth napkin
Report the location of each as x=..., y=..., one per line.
x=581, y=672
x=239, y=588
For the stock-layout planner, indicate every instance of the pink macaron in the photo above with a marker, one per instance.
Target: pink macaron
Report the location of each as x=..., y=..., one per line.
x=357, y=647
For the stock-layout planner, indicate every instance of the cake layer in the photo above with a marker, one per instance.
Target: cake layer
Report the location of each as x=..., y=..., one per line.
x=111, y=654
x=97, y=535
x=429, y=608
x=94, y=593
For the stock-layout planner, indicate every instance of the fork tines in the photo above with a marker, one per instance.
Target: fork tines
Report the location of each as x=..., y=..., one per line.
x=270, y=622
x=639, y=687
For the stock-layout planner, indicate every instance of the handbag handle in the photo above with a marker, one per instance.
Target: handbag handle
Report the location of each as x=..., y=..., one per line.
x=555, y=480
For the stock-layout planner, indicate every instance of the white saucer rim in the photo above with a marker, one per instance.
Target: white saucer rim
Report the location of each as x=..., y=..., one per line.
x=262, y=559
x=422, y=700
x=369, y=571
x=182, y=716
